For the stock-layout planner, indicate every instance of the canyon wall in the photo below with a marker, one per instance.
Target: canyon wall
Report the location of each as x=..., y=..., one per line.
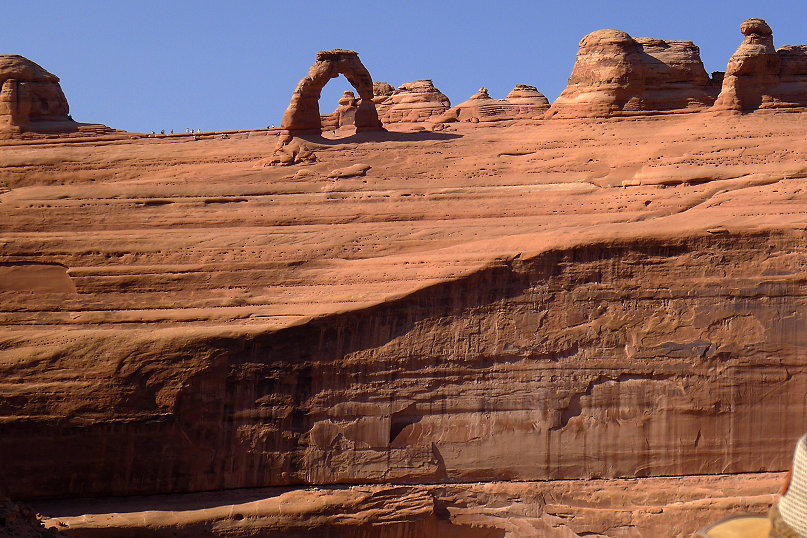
x=620, y=359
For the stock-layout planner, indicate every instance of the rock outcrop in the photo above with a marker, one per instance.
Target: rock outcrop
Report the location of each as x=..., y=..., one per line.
x=523, y=102
x=345, y=113
x=31, y=98
x=649, y=507
x=412, y=102
x=759, y=76
x=614, y=303
x=382, y=90
x=302, y=115
x=617, y=75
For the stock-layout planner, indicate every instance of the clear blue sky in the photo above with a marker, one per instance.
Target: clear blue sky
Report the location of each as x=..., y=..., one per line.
x=151, y=65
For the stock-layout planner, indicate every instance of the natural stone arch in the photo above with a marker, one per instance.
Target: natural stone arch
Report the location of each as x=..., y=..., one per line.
x=302, y=116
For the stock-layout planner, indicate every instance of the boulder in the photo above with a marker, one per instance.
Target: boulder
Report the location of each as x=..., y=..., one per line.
x=759, y=76
x=31, y=98
x=618, y=75
x=413, y=102
x=523, y=102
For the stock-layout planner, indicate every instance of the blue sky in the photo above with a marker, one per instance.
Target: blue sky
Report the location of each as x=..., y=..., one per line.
x=152, y=65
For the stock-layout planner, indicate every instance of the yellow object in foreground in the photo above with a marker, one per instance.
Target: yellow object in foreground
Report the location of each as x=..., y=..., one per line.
x=739, y=527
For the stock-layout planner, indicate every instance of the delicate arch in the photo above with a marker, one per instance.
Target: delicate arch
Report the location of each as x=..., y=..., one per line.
x=302, y=116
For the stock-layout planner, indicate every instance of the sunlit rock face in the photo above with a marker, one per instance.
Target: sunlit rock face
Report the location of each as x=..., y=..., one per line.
x=30, y=97
x=760, y=76
x=617, y=75
x=412, y=102
x=523, y=102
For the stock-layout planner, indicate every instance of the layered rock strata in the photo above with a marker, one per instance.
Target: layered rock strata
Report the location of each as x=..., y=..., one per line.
x=616, y=75
x=302, y=115
x=382, y=90
x=645, y=507
x=571, y=357
x=572, y=300
x=759, y=76
x=31, y=98
x=523, y=102
x=413, y=102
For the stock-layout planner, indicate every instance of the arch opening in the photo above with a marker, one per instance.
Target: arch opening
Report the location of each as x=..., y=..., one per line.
x=303, y=114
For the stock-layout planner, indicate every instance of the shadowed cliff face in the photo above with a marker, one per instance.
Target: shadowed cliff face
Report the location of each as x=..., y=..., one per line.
x=626, y=359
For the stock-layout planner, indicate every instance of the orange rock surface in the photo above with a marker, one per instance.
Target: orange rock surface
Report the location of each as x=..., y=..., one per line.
x=618, y=75
x=630, y=507
x=32, y=103
x=759, y=76
x=564, y=300
x=412, y=102
x=524, y=102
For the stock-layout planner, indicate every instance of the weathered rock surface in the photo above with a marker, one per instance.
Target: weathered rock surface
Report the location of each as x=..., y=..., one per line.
x=646, y=507
x=570, y=300
x=30, y=97
x=382, y=90
x=759, y=76
x=303, y=116
x=32, y=104
x=345, y=113
x=523, y=102
x=617, y=75
x=412, y=102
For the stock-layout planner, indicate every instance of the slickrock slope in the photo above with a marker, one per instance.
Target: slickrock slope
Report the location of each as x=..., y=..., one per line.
x=524, y=102
x=759, y=76
x=618, y=75
x=568, y=300
x=412, y=102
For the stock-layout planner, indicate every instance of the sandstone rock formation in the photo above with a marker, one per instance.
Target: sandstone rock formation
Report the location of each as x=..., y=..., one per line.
x=637, y=507
x=382, y=90
x=30, y=97
x=345, y=113
x=478, y=306
x=791, y=91
x=303, y=116
x=617, y=75
x=759, y=76
x=412, y=102
x=523, y=102
x=575, y=328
